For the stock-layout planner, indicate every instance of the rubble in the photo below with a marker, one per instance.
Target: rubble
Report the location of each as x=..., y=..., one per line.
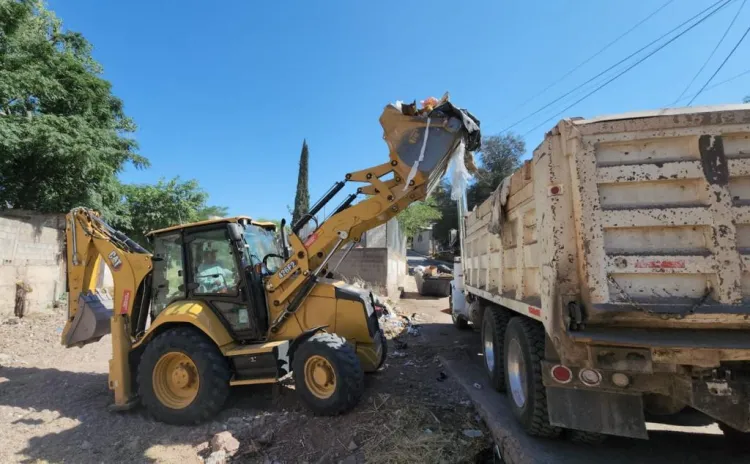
x=217, y=457
x=224, y=441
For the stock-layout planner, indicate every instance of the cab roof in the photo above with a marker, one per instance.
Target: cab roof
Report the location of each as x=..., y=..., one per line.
x=227, y=220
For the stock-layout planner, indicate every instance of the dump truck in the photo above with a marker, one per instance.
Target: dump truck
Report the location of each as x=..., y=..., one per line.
x=608, y=276
x=232, y=301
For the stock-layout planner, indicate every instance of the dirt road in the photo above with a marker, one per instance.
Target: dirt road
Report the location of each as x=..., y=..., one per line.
x=53, y=408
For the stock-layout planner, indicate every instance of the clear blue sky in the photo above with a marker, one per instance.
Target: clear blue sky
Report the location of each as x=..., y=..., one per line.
x=225, y=92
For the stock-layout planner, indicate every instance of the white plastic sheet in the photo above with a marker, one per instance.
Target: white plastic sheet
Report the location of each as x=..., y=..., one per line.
x=414, y=167
x=458, y=173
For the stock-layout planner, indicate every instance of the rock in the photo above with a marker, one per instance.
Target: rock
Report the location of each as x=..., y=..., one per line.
x=224, y=441
x=478, y=386
x=85, y=445
x=201, y=447
x=352, y=446
x=473, y=433
x=351, y=459
x=217, y=457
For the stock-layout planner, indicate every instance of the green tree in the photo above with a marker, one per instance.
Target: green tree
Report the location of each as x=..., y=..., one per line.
x=143, y=208
x=448, y=212
x=500, y=155
x=417, y=216
x=746, y=99
x=63, y=135
x=302, y=197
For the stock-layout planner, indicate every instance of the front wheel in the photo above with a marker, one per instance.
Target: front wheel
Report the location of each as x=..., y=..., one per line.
x=328, y=375
x=183, y=378
x=384, y=344
x=523, y=353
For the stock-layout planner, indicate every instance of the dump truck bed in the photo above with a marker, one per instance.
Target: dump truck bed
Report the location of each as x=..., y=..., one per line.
x=643, y=220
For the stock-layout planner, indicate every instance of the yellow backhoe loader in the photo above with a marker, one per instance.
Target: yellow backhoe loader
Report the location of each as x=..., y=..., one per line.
x=233, y=302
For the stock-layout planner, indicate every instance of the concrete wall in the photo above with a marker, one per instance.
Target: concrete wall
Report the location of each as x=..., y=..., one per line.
x=381, y=262
x=422, y=242
x=31, y=250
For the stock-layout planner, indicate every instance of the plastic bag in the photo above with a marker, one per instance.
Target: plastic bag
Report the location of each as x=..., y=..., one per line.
x=459, y=175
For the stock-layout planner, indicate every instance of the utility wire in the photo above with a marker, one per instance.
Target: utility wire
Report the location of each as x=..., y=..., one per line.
x=587, y=60
x=720, y=66
x=726, y=81
x=659, y=48
x=705, y=63
x=723, y=4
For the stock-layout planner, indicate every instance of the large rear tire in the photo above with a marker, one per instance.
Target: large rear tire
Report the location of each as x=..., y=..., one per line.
x=182, y=377
x=328, y=375
x=523, y=355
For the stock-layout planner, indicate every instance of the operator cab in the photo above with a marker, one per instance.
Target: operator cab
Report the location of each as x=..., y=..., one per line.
x=222, y=263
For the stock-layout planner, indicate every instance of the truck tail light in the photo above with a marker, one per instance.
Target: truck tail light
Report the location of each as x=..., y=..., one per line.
x=561, y=374
x=590, y=377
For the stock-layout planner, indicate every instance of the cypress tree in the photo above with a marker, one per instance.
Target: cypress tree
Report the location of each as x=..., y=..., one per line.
x=302, y=198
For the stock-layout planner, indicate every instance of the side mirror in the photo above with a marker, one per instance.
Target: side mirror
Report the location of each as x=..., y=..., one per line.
x=236, y=231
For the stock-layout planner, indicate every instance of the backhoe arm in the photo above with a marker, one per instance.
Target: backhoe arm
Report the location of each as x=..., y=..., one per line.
x=92, y=312
x=420, y=147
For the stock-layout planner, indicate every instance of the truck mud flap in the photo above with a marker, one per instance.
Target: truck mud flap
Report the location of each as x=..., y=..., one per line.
x=91, y=322
x=596, y=411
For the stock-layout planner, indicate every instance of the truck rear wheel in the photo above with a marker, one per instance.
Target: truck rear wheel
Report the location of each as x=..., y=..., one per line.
x=524, y=352
x=328, y=375
x=183, y=378
x=494, y=322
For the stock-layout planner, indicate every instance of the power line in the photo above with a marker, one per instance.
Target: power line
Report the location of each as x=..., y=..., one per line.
x=724, y=3
x=726, y=81
x=587, y=60
x=720, y=66
x=636, y=64
x=705, y=63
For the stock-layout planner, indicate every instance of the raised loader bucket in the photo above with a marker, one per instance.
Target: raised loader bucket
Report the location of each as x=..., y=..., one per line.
x=91, y=322
x=424, y=142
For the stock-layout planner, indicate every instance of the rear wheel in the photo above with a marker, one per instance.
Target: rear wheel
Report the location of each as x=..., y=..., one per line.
x=328, y=375
x=586, y=438
x=524, y=351
x=182, y=377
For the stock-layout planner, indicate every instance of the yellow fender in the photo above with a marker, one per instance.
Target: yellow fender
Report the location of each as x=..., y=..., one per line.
x=193, y=313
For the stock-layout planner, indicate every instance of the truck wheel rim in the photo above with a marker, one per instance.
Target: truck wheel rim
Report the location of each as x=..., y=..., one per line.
x=320, y=377
x=516, y=373
x=489, y=347
x=175, y=379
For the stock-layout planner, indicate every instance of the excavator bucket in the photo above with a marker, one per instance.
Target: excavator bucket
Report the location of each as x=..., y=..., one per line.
x=91, y=322
x=424, y=142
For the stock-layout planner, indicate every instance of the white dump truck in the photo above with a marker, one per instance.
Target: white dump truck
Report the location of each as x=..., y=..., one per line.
x=609, y=276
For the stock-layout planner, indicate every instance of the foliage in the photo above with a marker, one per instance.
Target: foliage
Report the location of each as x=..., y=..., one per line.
x=63, y=135
x=143, y=208
x=302, y=197
x=746, y=99
x=418, y=216
x=500, y=156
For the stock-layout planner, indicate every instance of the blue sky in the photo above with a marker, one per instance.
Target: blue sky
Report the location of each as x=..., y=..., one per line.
x=225, y=92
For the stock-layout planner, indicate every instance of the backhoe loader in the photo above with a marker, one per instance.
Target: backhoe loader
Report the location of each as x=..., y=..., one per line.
x=232, y=301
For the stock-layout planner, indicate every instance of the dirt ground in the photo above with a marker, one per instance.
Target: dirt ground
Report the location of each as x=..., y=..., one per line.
x=53, y=407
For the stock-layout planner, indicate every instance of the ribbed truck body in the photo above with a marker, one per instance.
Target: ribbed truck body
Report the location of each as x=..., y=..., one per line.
x=628, y=239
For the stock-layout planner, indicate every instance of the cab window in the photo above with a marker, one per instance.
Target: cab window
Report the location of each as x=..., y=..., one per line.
x=169, y=275
x=213, y=265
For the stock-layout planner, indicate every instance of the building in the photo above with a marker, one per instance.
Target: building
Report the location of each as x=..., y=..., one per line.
x=423, y=242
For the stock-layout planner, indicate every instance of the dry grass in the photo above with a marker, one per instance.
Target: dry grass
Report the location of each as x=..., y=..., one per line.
x=411, y=433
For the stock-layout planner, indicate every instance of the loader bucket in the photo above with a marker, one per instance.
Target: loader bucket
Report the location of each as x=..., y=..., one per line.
x=405, y=136
x=91, y=322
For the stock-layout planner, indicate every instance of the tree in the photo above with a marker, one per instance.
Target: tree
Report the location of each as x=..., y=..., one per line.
x=143, y=208
x=63, y=136
x=417, y=216
x=302, y=197
x=746, y=99
x=500, y=155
